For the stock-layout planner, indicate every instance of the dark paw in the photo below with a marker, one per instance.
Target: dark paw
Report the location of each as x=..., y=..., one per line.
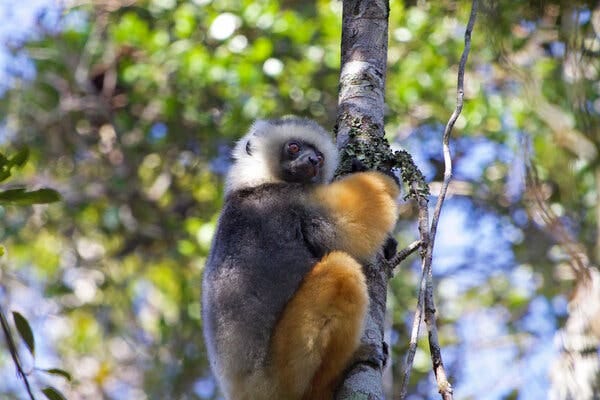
x=358, y=166
x=390, y=247
x=386, y=353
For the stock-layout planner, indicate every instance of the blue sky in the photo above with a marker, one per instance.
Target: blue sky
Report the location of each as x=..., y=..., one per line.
x=21, y=20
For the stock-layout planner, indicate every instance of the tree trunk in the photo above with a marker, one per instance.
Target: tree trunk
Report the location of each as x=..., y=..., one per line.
x=360, y=118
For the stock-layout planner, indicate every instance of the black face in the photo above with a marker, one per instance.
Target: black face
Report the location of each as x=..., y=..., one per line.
x=301, y=162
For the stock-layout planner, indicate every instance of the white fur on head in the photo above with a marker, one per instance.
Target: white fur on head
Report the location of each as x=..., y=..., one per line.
x=264, y=142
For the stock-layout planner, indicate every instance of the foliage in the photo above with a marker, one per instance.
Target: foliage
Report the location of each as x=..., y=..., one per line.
x=23, y=197
x=131, y=116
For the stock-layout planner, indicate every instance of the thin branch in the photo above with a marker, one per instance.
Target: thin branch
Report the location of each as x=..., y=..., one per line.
x=12, y=349
x=425, y=302
x=444, y=387
x=460, y=92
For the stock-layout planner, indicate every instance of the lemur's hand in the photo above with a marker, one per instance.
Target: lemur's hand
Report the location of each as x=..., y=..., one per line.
x=390, y=247
x=359, y=166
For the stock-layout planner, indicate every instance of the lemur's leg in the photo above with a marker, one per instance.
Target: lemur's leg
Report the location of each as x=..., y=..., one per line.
x=320, y=329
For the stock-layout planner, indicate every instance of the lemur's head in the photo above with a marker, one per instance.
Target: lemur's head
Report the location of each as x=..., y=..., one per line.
x=289, y=149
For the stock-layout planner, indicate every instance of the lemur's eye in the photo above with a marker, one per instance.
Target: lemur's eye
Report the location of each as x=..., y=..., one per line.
x=293, y=148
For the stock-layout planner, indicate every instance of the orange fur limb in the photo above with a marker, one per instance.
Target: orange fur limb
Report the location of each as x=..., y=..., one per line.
x=364, y=208
x=320, y=329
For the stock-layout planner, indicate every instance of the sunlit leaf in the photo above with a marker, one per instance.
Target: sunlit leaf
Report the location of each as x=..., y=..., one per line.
x=24, y=331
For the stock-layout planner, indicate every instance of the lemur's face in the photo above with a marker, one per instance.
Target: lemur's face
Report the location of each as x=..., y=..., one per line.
x=301, y=162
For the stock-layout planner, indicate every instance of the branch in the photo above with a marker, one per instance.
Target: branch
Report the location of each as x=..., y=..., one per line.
x=12, y=349
x=425, y=297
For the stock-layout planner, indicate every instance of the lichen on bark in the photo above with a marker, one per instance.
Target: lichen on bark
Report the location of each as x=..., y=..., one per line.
x=365, y=145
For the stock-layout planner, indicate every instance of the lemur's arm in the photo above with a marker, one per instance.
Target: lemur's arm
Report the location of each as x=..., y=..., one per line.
x=364, y=209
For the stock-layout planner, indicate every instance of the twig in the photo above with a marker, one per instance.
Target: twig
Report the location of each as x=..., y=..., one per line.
x=402, y=254
x=425, y=302
x=12, y=349
x=414, y=334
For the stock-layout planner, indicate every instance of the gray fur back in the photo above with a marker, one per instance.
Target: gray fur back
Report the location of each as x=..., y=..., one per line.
x=267, y=239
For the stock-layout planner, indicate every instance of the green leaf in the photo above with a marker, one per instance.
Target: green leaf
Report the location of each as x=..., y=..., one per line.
x=44, y=196
x=57, y=371
x=20, y=158
x=20, y=196
x=53, y=394
x=1, y=251
x=4, y=174
x=24, y=331
x=11, y=194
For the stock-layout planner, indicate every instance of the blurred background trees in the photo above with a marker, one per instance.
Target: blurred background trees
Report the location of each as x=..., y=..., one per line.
x=129, y=110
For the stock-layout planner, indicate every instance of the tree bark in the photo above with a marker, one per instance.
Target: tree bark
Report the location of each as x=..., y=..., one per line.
x=360, y=118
